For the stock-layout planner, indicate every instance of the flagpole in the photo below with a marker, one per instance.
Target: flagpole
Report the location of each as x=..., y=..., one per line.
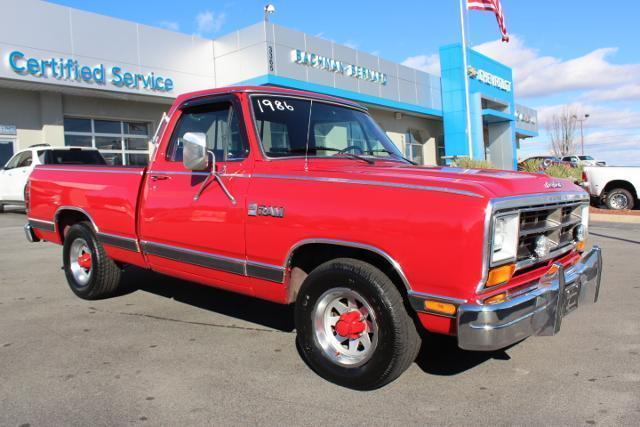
x=466, y=78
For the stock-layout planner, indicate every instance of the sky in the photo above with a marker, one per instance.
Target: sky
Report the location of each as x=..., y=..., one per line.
x=584, y=54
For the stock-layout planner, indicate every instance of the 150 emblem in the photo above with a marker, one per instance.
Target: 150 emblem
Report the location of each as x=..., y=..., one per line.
x=553, y=184
x=262, y=210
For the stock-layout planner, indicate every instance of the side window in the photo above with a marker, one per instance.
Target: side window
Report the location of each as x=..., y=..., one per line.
x=26, y=160
x=220, y=123
x=13, y=162
x=19, y=160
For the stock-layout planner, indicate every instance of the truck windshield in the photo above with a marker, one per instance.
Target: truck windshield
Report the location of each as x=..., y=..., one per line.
x=292, y=127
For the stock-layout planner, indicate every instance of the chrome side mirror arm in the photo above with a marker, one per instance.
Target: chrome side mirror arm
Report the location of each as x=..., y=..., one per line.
x=215, y=175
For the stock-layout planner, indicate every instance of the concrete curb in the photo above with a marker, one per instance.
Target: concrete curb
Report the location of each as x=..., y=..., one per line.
x=623, y=219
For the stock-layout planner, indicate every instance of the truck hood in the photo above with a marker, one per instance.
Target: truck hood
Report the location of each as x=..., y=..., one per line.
x=484, y=182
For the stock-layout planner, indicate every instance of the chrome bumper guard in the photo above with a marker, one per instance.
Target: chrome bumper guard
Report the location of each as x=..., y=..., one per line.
x=539, y=312
x=31, y=236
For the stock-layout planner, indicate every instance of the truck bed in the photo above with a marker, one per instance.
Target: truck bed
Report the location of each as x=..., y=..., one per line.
x=106, y=195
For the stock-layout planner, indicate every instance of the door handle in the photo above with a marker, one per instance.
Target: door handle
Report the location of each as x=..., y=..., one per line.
x=159, y=177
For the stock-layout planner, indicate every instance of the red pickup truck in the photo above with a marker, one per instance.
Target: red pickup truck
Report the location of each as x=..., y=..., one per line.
x=302, y=199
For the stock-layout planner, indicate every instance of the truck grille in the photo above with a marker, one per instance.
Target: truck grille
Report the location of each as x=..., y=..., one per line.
x=556, y=222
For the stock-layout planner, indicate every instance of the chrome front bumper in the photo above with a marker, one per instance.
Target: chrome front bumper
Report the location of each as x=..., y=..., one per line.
x=539, y=312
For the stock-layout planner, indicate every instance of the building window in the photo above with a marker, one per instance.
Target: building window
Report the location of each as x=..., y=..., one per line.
x=413, y=146
x=119, y=142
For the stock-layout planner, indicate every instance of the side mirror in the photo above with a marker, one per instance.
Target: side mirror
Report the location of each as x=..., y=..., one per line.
x=194, y=152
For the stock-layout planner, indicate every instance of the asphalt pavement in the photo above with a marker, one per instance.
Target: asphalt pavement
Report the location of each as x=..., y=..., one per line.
x=168, y=352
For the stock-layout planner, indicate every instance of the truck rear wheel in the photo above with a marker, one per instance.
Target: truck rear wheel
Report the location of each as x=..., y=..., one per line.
x=619, y=199
x=91, y=274
x=352, y=325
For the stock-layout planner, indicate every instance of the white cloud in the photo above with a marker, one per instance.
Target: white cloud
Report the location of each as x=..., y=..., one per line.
x=539, y=75
x=170, y=25
x=629, y=92
x=600, y=117
x=589, y=84
x=426, y=63
x=610, y=134
x=209, y=21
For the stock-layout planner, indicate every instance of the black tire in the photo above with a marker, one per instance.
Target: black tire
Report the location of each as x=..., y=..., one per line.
x=398, y=341
x=1, y=208
x=619, y=199
x=104, y=277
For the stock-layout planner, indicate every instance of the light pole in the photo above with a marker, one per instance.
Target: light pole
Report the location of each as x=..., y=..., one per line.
x=268, y=10
x=581, y=119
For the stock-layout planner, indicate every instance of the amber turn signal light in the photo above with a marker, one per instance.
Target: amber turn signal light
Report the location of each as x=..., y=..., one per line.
x=580, y=246
x=500, y=275
x=496, y=299
x=440, y=307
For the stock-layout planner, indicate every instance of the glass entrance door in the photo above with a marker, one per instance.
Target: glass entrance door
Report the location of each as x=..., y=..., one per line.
x=6, y=151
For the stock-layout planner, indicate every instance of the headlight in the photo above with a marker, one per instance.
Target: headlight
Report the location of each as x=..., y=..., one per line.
x=504, y=243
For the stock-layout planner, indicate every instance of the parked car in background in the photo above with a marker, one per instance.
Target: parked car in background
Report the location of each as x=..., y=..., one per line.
x=615, y=186
x=15, y=173
x=545, y=162
x=583, y=161
x=300, y=198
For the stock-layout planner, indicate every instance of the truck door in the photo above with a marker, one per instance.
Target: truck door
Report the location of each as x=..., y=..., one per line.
x=199, y=237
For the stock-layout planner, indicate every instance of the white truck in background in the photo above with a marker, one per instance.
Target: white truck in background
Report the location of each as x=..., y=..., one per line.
x=618, y=187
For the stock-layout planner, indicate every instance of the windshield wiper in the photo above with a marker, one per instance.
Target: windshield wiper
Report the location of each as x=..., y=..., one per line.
x=384, y=150
x=338, y=151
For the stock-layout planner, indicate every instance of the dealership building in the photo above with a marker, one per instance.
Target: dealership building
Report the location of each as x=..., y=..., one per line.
x=70, y=77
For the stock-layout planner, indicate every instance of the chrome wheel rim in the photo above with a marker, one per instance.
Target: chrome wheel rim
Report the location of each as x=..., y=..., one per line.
x=349, y=307
x=81, y=272
x=619, y=201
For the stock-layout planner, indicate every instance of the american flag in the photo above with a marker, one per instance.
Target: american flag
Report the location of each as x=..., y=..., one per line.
x=492, y=6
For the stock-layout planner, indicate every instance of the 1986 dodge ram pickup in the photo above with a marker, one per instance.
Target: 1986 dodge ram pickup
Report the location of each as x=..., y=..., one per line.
x=302, y=199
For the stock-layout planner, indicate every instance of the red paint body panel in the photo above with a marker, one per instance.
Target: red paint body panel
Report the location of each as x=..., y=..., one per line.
x=430, y=220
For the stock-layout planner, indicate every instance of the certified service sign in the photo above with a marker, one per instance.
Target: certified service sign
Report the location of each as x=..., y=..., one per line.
x=71, y=70
x=329, y=64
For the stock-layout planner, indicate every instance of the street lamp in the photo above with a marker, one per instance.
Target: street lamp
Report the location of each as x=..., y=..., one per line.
x=268, y=10
x=581, y=119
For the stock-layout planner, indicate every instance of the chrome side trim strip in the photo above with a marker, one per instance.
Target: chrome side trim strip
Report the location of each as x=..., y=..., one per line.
x=42, y=225
x=189, y=256
x=272, y=273
x=74, y=208
x=119, y=241
x=226, y=175
x=268, y=272
x=130, y=172
x=395, y=264
x=369, y=182
x=442, y=298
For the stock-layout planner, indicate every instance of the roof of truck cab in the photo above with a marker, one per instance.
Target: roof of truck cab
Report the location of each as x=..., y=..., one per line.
x=264, y=90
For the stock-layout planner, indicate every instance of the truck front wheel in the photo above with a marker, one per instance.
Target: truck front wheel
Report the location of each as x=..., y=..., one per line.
x=352, y=325
x=91, y=274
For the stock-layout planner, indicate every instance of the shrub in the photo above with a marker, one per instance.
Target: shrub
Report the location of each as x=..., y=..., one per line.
x=532, y=166
x=566, y=172
x=466, y=163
